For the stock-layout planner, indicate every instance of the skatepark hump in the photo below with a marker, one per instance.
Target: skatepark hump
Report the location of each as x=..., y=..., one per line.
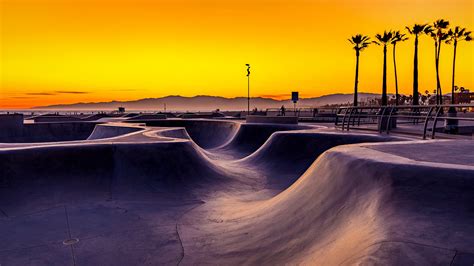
x=222, y=192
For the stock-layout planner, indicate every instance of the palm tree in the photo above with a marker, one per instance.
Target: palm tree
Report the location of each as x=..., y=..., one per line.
x=439, y=35
x=417, y=30
x=455, y=36
x=397, y=37
x=384, y=39
x=360, y=42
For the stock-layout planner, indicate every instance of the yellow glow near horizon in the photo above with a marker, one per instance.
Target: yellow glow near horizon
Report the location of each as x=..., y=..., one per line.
x=67, y=51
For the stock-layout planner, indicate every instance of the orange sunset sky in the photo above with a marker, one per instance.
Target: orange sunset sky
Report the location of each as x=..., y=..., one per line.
x=67, y=51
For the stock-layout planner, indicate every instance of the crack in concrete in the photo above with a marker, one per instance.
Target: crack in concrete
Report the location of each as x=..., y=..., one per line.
x=455, y=254
x=177, y=231
x=69, y=234
x=181, y=244
x=36, y=212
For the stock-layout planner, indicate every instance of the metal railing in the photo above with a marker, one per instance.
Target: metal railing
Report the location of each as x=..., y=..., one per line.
x=409, y=119
x=315, y=114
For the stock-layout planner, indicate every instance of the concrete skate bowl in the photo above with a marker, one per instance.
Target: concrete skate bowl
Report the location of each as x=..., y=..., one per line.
x=41, y=177
x=205, y=133
x=154, y=197
x=128, y=194
x=286, y=155
x=354, y=205
x=250, y=137
x=226, y=137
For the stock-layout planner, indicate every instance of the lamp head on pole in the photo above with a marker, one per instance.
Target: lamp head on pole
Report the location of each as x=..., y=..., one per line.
x=248, y=69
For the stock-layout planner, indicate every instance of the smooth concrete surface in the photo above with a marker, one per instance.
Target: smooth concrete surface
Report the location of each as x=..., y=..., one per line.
x=250, y=137
x=207, y=133
x=290, y=153
x=440, y=151
x=111, y=130
x=354, y=205
x=156, y=194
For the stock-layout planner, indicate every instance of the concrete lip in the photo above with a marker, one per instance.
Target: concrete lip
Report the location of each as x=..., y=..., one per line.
x=160, y=192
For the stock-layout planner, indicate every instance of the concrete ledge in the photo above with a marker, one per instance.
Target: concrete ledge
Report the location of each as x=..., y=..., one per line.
x=56, y=118
x=272, y=119
x=47, y=132
x=202, y=115
x=148, y=117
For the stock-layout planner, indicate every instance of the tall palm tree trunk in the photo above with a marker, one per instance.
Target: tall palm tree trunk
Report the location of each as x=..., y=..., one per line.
x=415, y=73
x=356, y=82
x=396, y=78
x=451, y=126
x=437, y=75
x=384, y=81
x=454, y=71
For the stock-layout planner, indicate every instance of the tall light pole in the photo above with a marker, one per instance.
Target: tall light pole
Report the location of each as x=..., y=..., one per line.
x=248, y=88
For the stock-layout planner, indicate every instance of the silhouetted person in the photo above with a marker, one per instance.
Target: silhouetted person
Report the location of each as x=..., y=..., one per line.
x=283, y=110
x=315, y=112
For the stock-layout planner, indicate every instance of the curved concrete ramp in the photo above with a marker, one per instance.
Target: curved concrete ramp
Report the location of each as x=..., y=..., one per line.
x=226, y=137
x=176, y=133
x=52, y=175
x=112, y=130
x=205, y=132
x=286, y=155
x=354, y=205
x=250, y=137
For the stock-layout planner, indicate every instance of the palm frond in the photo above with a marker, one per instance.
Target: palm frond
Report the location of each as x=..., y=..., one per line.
x=428, y=30
x=359, y=41
x=384, y=38
x=441, y=24
x=397, y=36
x=467, y=36
x=417, y=29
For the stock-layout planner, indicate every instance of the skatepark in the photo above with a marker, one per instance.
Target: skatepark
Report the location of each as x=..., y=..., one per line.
x=172, y=191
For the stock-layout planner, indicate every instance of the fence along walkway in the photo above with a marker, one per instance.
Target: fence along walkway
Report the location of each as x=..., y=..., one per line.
x=307, y=114
x=423, y=120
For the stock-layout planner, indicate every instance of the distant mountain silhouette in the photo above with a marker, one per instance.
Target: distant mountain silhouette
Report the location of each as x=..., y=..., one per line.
x=208, y=103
